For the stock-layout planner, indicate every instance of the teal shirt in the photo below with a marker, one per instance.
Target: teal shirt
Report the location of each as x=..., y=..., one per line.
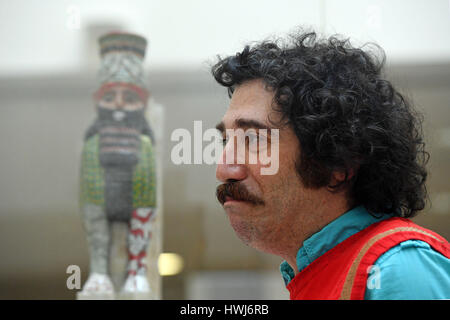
x=410, y=270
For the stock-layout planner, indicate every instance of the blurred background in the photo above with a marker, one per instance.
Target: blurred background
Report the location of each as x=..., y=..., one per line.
x=48, y=66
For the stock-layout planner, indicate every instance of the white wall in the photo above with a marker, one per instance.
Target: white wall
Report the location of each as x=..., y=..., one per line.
x=42, y=36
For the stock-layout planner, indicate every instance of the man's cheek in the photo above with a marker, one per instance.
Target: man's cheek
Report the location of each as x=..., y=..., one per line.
x=269, y=154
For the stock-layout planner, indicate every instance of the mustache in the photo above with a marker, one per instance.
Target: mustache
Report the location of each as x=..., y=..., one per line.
x=237, y=191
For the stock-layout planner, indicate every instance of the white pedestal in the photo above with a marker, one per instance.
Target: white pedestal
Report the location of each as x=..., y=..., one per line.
x=95, y=296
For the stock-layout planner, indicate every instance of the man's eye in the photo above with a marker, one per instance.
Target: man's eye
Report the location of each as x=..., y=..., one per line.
x=224, y=141
x=252, y=142
x=253, y=138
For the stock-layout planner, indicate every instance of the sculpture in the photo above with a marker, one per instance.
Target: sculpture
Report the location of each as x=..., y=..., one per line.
x=118, y=180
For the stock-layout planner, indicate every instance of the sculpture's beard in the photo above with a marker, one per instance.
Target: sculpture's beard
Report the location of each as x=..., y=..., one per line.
x=119, y=137
x=119, y=144
x=121, y=118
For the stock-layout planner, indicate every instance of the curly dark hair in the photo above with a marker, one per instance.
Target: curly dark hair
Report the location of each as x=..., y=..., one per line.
x=346, y=117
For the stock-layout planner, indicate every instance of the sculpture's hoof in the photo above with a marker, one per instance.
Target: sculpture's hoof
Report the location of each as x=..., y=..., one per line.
x=136, y=284
x=98, y=283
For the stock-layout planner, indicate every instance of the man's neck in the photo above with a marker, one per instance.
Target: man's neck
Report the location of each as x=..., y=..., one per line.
x=312, y=223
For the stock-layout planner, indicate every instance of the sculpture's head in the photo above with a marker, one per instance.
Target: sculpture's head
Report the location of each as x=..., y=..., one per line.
x=122, y=92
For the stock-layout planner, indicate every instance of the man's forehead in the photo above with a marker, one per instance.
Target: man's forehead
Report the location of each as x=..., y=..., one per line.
x=251, y=94
x=250, y=102
x=233, y=118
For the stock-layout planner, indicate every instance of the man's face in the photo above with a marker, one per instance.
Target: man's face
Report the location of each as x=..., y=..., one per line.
x=269, y=205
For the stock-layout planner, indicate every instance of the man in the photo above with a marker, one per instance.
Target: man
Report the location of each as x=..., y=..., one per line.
x=351, y=172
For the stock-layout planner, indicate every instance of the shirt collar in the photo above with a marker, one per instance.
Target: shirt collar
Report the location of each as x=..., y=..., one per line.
x=329, y=236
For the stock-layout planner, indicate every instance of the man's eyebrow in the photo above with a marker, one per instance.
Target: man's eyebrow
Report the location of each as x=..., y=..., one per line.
x=250, y=123
x=245, y=124
x=221, y=127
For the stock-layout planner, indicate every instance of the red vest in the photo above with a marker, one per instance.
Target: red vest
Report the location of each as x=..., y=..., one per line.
x=342, y=272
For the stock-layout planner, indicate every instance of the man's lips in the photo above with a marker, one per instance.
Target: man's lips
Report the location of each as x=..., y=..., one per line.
x=230, y=199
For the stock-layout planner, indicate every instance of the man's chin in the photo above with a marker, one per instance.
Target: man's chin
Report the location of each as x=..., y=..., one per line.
x=242, y=229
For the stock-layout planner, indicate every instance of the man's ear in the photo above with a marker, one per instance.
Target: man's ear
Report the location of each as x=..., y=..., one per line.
x=339, y=177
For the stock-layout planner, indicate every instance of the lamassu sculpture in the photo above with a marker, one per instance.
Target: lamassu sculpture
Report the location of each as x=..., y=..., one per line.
x=118, y=180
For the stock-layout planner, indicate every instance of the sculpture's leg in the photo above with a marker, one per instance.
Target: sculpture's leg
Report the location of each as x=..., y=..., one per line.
x=98, y=235
x=138, y=239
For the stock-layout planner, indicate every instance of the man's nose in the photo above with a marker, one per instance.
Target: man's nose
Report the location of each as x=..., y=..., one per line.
x=229, y=167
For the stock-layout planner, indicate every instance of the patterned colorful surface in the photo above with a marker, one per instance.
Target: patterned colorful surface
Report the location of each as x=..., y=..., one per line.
x=92, y=175
x=122, y=55
x=119, y=41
